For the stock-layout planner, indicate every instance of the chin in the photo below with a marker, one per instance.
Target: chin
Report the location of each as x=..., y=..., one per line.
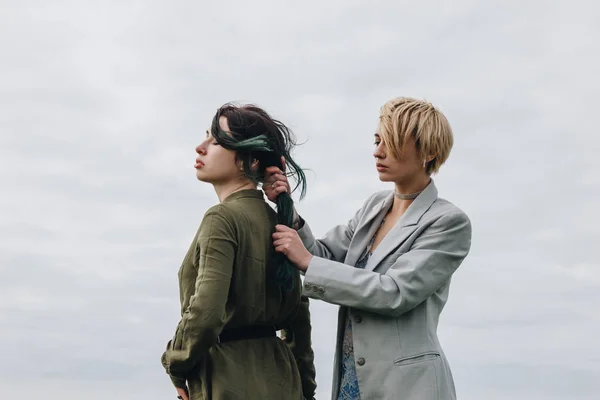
x=201, y=177
x=383, y=177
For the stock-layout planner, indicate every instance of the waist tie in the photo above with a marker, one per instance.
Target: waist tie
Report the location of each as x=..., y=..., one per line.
x=247, y=332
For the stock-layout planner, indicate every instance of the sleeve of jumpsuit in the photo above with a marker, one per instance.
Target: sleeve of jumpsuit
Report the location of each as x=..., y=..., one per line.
x=205, y=316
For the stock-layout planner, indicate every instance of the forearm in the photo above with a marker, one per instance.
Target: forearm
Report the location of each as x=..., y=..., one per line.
x=177, y=381
x=406, y=284
x=204, y=318
x=343, y=285
x=412, y=277
x=333, y=246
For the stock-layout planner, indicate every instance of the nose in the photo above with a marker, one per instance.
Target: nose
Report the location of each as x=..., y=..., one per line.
x=378, y=152
x=201, y=148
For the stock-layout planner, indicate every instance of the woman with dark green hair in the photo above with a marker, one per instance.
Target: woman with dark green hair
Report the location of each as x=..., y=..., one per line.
x=235, y=290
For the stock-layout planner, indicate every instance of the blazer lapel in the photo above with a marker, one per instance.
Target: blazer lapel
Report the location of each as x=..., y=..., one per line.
x=404, y=227
x=366, y=228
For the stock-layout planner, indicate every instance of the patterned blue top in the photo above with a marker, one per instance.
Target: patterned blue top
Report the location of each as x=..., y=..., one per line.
x=349, y=381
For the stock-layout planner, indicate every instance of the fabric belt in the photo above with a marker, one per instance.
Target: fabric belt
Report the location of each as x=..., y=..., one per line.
x=247, y=332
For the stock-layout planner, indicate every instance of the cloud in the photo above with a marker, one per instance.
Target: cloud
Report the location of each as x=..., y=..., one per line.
x=104, y=102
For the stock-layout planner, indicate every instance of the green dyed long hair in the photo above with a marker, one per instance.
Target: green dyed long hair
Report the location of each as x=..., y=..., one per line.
x=255, y=135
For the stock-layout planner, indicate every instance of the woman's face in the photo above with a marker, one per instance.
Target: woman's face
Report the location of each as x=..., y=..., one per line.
x=391, y=169
x=214, y=163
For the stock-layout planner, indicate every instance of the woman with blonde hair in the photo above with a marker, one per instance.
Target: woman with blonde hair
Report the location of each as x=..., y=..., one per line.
x=389, y=267
x=235, y=290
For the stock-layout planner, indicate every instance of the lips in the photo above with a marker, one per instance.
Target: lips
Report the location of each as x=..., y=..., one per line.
x=380, y=167
x=199, y=163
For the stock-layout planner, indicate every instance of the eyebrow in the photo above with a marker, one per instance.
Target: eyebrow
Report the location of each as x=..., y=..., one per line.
x=376, y=135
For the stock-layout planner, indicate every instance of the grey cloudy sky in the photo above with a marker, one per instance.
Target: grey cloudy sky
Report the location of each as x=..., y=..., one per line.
x=103, y=102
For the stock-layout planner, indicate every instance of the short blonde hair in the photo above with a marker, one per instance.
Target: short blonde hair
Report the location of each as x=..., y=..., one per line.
x=404, y=118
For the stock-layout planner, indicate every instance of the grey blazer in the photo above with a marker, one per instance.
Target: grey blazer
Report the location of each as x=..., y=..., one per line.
x=396, y=301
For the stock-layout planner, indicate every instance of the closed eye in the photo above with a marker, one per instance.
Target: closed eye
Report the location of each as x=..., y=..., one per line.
x=377, y=139
x=211, y=139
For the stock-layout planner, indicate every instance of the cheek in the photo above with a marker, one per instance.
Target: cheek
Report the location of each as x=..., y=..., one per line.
x=404, y=166
x=226, y=159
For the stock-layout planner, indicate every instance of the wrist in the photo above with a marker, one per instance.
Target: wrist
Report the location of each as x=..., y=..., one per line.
x=306, y=262
x=178, y=382
x=298, y=222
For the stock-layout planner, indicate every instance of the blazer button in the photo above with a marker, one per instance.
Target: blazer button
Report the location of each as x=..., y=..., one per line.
x=314, y=289
x=321, y=290
x=358, y=319
x=307, y=286
x=361, y=361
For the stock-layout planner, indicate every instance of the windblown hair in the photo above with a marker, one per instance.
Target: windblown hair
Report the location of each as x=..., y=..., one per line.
x=255, y=135
x=403, y=118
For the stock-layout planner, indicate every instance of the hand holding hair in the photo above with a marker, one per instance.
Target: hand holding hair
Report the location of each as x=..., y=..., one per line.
x=287, y=242
x=276, y=182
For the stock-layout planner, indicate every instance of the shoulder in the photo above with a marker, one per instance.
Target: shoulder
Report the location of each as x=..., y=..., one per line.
x=220, y=216
x=237, y=215
x=377, y=197
x=443, y=213
x=217, y=210
x=228, y=210
x=442, y=207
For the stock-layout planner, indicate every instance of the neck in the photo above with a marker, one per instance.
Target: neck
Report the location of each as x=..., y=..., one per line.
x=408, y=188
x=224, y=190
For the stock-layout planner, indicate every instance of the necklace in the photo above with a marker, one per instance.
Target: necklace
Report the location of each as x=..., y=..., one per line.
x=410, y=196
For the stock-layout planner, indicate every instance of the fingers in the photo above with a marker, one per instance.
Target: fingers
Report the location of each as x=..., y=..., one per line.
x=277, y=177
x=273, y=170
x=283, y=165
x=281, y=249
x=182, y=394
x=271, y=183
x=279, y=190
x=279, y=187
x=283, y=236
x=274, y=190
x=283, y=228
x=278, y=184
x=274, y=174
x=281, y=242
x=275, y=182
x=278, y=236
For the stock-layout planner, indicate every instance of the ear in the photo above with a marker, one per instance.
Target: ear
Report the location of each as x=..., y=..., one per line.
x=429, y=158
x=254, y=165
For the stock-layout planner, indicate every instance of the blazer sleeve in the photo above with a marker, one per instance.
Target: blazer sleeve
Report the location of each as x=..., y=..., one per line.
x=334, y=245
x=205, y=316
x=297, y=336
x=413, y=277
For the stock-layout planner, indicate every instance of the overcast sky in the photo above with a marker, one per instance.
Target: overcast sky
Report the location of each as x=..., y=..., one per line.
x=103, y=103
